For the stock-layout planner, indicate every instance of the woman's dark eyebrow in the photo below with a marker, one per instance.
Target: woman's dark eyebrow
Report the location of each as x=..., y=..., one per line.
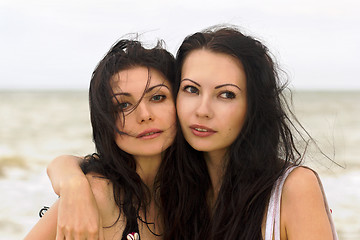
x=147, y=91
x=159, y=85
x=227, y=84
x=121, y=94
x=186, y=79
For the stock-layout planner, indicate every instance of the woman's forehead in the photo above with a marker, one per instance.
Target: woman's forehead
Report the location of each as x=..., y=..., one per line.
x=137, y=79
x=209, y=67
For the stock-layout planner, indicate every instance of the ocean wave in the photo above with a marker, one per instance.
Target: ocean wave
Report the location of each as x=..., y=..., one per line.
x=11, y=161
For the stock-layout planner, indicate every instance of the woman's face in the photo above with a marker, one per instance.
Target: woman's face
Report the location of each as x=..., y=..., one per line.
x=211, y=102
x=150, y=127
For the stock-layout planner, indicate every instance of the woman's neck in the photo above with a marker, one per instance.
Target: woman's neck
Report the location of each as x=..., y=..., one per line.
x=147, y=168
x=216, y=167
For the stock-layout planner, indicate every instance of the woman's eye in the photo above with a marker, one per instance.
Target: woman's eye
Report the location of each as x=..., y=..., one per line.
x=227, y=95
x=124, y=106
x=158, y=98
x=191, y=89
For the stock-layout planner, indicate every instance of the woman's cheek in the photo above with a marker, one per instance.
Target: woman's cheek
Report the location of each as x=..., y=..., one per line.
x=182, y=103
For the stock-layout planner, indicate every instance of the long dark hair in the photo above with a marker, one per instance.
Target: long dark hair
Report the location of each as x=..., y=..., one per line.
x=254, y=161
x=109, y=160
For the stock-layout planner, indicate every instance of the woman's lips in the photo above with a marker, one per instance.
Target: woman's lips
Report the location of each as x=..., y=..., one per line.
x=201, y=131
x=149, y=134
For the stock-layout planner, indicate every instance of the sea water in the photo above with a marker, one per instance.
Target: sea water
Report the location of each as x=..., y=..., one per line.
x=37, y=126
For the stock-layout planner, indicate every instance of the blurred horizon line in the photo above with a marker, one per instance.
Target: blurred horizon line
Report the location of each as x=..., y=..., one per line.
x=74, y=89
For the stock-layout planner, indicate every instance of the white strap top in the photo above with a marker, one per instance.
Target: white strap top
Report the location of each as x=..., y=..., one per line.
x=273, y=213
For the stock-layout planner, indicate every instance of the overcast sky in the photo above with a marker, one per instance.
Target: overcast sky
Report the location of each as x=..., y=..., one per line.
x=56, y=44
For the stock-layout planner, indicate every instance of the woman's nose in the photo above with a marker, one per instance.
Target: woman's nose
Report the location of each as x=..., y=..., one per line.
x=143, y=113
x=204, y=108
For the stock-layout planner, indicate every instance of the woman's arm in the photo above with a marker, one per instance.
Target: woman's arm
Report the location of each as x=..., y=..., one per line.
x=78, y=215
x=64, y=171
x=303, y=212
x=45, y=228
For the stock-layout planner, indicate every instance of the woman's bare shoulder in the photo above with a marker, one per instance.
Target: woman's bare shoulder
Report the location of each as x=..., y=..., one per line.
x=101, y=187
x=96, y=179
x=303, y=209
x=301, y=189
x=301, y=179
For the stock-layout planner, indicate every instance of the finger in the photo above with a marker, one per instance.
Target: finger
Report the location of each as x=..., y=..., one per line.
x=69, y=235
x=59, y=234
x=97, y=232
x=80, y=236
x=91, y=233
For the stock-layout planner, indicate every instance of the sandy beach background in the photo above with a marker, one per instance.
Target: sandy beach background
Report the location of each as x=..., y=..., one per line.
x=36, y=126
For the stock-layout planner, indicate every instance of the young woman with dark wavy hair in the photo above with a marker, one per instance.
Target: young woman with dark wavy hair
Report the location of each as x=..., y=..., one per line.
x=236, y=172
x=133, y=118
x=238, y=163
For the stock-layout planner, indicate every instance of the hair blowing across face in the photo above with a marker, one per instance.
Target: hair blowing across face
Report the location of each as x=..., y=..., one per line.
x=110, y=161
x=254, y=161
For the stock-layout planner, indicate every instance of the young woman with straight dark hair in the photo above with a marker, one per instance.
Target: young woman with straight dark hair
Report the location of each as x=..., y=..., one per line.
x=237, y=146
